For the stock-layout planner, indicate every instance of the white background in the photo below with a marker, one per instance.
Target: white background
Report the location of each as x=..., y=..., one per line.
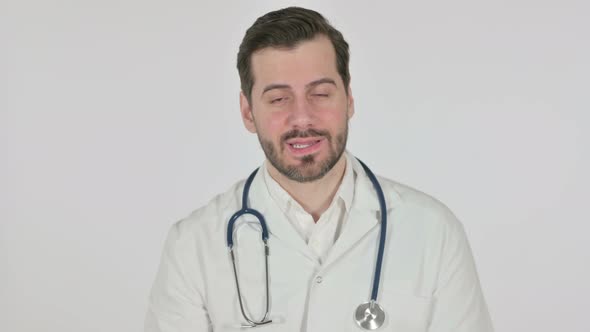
x=118, y=118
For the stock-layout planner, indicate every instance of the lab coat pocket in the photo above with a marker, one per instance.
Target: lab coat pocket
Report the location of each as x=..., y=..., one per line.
x=405, y=312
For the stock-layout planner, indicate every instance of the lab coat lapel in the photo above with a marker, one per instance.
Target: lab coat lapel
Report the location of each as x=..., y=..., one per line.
x=364, y=213
x=278, y=225
x=362, y=218
x=359, y=223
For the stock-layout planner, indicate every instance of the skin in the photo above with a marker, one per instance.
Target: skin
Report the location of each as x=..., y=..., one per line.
x=298, y=97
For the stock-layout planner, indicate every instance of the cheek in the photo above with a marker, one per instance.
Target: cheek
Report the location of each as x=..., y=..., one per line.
x=273, y=125
x=333, y=118
x=335, y=111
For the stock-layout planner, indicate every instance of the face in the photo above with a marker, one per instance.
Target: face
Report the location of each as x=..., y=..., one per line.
x=299, y=108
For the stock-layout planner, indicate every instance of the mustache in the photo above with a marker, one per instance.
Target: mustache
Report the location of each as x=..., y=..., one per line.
x=305, y=133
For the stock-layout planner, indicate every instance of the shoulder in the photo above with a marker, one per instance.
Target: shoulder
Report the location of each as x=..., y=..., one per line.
x=418, y=206
x=408, y=205
x=211, y=217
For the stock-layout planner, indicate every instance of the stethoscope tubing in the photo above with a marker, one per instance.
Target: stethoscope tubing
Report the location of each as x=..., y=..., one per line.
x=246, y=210
x=382, y=231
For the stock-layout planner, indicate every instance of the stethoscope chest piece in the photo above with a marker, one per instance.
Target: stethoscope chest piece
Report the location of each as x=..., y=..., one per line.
x=369, y=315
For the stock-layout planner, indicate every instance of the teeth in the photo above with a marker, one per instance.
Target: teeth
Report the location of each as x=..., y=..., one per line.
x=301, y=146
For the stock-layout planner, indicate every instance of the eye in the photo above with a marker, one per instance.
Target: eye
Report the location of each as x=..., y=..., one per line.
x=277, y=100
x=323, y=95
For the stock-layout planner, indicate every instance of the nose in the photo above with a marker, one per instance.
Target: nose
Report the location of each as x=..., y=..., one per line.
x=302, y=113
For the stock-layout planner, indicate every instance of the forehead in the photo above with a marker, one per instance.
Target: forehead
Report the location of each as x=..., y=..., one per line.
x=307, y=61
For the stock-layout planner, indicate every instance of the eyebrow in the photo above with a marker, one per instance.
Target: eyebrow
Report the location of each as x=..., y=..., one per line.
x=307, y=86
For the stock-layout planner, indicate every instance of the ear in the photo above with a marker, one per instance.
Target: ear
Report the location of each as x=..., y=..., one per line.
x=350, y=101
x=247, y=116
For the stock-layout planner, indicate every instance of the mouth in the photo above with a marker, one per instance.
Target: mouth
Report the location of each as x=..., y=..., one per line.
x=305, y=146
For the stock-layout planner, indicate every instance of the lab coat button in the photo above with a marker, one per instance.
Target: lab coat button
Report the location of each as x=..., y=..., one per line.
x=318, y=279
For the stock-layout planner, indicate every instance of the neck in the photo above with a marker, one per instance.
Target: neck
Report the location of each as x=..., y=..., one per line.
x=315, y=197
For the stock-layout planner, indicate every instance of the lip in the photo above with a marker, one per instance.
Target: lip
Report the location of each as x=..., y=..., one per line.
x=306, y=140
x=315, y=144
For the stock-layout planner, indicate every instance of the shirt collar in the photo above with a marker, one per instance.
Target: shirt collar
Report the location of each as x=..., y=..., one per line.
x=363, y=197
x=345, y=190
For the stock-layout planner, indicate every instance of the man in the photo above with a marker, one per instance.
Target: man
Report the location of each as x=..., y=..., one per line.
x=322, y=213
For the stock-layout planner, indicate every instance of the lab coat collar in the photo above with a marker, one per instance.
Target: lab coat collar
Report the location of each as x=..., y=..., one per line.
x=365, y=196
x=363, y=214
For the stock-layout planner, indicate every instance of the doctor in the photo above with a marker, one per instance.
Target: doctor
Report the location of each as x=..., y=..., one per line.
x=322, y=212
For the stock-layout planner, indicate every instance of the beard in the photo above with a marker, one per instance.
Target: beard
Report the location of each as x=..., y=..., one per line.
x=310, y=168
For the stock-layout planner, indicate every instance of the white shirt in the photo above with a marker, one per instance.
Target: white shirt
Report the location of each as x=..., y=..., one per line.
x=428, y=282
x=320, y=235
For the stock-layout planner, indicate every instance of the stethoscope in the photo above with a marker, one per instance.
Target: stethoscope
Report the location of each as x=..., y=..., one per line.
x=368, y=315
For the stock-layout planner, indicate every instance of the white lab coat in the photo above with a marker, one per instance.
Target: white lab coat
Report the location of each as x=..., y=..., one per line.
x=428, y=283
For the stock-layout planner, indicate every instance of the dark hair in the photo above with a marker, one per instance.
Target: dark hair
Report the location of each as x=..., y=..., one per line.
x=285, y=28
